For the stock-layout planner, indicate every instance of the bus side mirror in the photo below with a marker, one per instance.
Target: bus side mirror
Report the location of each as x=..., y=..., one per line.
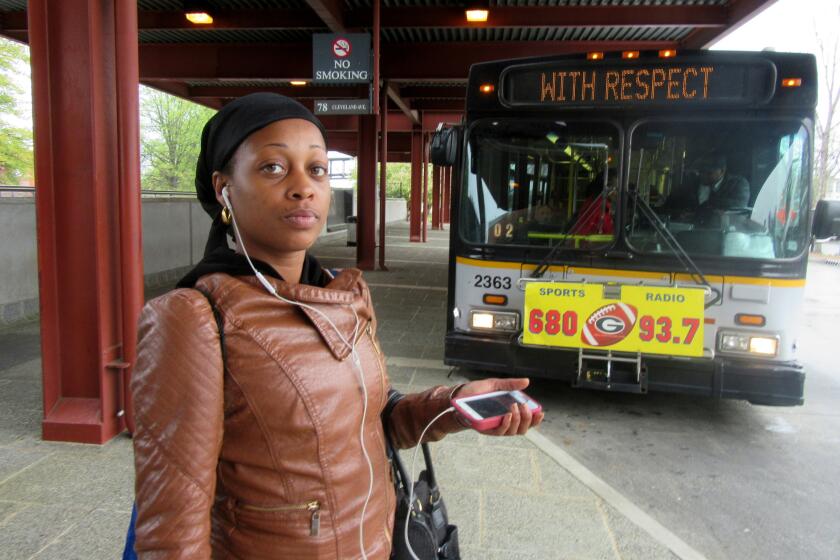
x=826, y=219
x=443, y=150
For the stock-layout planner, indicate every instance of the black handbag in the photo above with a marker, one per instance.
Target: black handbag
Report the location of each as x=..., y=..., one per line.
x=431, y=535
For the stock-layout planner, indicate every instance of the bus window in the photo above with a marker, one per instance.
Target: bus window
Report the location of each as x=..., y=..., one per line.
x=730, y=189
x=540, y=183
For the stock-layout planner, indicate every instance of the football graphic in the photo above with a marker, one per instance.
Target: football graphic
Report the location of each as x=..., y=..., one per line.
x=609, y=324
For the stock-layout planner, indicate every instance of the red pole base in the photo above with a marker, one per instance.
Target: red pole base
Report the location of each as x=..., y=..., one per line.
x=79, y=421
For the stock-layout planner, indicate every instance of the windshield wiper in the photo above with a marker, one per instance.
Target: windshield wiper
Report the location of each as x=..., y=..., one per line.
x=545, y=263
x=682, y=256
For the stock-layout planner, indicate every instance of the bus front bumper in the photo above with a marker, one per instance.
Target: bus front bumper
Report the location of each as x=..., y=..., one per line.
x=757, y=381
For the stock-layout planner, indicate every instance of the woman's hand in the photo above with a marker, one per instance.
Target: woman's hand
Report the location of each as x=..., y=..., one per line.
x=518, y=420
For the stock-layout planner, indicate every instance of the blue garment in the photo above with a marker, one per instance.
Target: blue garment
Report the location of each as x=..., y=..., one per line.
x=128, y=552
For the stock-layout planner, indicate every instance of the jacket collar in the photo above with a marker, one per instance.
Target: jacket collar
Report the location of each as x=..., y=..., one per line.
x=344, y=301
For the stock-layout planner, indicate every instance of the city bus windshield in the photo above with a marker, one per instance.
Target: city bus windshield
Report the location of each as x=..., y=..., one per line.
x=724, y=189
x=540, y=183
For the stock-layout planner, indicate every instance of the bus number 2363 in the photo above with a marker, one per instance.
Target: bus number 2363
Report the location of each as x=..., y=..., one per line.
x=487, y=281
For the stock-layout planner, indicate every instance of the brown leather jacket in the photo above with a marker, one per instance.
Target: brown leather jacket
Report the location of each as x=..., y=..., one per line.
x=249, y=447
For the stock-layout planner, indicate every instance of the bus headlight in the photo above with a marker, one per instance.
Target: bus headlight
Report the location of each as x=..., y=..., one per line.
x=764, y=345
x=494, y=320
x=735, y=343
x=745, y=343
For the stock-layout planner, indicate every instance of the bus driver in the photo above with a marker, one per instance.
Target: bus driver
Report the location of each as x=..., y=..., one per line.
x=719, y=189
x=712, y=187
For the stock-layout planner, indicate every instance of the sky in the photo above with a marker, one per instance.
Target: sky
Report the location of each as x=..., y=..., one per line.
x=787, y=25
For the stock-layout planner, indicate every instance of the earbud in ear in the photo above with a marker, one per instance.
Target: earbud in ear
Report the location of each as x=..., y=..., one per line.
x=225, y=195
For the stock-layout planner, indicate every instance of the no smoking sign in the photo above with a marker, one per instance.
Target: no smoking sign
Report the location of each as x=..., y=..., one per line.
x=341, y=47
x=341, y=58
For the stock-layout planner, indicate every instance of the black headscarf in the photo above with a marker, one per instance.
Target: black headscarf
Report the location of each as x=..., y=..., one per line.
x=221, y=136
x=224, y=132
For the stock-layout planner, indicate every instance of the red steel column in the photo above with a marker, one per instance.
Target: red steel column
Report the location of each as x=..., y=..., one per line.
x=447, y=193
x=415, y=207
x=131, y=226
x=425, y=185
x=383, y=176
x=436, y=197
x=366, y=187
x=376, y=56
x=87, y=207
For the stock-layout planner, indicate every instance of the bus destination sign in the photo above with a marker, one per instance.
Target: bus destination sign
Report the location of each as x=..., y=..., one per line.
x=564, y=84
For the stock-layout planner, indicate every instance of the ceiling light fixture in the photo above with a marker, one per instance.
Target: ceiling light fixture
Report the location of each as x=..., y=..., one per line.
x=477, y=11
x=197, y=12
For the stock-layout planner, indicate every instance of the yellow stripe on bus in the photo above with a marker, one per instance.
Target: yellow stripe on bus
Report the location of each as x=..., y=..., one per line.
x=753, y=280
x=778, y=282
x=488, y=264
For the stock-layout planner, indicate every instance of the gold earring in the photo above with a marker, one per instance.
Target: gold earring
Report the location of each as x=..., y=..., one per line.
x=226, y=216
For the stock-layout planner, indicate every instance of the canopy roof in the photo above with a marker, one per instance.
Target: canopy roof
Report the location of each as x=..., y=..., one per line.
x=427, y=46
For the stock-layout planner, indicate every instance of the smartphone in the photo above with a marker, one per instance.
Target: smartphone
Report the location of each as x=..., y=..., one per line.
x=485, y=412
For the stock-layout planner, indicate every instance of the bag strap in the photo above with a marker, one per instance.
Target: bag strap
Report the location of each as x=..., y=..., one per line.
x=430, y=469
x=400, y=472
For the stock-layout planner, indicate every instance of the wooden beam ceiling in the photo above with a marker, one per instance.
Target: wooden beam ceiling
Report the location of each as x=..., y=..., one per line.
x=300, y=92
x=332, y=15
x=404, y=62
x=548, y=16
x=393, y=94
x=331, y=12
x=439, y=92
x=234, y=19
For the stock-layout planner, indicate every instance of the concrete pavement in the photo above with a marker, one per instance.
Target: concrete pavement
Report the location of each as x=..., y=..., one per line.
x=512, y=498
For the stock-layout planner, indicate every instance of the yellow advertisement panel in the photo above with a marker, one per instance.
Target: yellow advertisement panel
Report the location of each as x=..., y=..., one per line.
x=646, y=319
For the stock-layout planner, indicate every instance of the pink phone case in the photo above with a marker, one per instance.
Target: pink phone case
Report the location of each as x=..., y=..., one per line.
x=486, y=423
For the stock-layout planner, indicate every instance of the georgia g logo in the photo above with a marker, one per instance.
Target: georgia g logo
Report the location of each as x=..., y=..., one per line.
x=609, y=324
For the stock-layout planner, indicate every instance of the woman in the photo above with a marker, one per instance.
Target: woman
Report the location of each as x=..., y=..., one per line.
x=259, y=384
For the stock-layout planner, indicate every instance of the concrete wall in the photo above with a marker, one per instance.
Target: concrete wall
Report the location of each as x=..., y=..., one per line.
x=174, y=233
x=396, y=210
x=18, y=260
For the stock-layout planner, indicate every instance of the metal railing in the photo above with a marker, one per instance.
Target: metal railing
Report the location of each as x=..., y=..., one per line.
x=9, y=191
x=167, y=194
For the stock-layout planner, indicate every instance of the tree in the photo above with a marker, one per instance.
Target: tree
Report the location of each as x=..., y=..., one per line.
x=16, y=161
x=827, y=161
x=170, y=140
x=398, y=183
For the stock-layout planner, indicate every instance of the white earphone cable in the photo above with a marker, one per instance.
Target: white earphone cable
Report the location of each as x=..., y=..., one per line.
x=411, y=481
x=354, y=355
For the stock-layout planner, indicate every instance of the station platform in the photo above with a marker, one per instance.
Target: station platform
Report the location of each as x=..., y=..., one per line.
x=519, y=498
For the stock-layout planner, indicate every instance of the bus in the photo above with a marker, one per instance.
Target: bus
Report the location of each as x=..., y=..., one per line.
x=634, y=221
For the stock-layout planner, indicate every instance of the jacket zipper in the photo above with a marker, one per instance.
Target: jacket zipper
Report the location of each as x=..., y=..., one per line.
x=388, y=505
x=314, y=507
